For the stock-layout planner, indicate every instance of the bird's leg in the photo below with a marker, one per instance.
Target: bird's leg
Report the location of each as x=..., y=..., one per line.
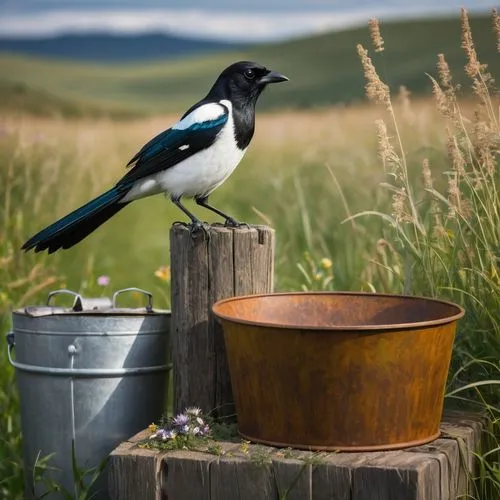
x=203, y=201
x=196, y=223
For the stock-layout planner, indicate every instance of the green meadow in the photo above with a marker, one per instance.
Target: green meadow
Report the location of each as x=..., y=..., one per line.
x=399, y=196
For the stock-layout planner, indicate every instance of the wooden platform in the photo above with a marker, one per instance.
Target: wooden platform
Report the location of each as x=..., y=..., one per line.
x=440, y=470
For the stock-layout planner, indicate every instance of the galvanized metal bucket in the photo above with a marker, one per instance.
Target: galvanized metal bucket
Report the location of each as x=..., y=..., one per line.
x=91, y=375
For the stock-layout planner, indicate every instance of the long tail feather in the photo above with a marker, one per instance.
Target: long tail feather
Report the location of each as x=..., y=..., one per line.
x=75, y=226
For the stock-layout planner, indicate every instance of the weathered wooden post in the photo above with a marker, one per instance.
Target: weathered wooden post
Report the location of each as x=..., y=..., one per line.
x=206, y=267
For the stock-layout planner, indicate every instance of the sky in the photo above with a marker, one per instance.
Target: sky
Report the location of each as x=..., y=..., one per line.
x=230, y=20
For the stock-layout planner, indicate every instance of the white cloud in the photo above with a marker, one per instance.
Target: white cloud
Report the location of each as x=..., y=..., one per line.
x=237, y=26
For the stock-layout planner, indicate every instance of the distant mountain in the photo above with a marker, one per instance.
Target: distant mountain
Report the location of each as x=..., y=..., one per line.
x=113, y=48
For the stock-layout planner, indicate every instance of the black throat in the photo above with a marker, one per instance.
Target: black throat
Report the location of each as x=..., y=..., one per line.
x=244, y=124
x=243, y=110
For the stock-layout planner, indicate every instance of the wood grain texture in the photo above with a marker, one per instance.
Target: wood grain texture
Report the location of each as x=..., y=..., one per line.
x=293, y=479
x=436, y=471
x=134, y=473
x=187, y=475
x=206, y=267
x=236, y=478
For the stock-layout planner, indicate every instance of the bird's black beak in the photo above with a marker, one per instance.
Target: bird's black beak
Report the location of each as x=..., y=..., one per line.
x=273, y=77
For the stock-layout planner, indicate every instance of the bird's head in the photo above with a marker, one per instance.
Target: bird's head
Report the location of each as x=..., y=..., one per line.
x=244, y=81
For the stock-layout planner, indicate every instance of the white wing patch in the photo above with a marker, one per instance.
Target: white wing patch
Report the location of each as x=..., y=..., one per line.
x=184, y=147
x=204, y=113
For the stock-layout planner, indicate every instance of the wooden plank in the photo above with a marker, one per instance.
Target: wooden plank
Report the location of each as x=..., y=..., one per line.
x=396, y=476
x=207, y=267
x=263, y=259
x=465, y=429
x=237, y=478
x=293, y=479
x=221, y=286
x=435, y=471
x=134, y=473
x=187, y=475
x=332, y=478
x=244, y=240
x=446, y=454
x=192, y=347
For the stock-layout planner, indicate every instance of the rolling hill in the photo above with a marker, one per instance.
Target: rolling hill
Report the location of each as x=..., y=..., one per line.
x=323, y=69
x=112, y=48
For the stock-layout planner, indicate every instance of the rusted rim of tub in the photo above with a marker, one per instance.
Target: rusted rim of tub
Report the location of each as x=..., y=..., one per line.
x=290, y=326
x=375, y=447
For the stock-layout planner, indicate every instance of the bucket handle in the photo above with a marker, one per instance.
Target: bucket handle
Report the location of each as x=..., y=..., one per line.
x=149, y=305
x=77, y=304
x=81, y=372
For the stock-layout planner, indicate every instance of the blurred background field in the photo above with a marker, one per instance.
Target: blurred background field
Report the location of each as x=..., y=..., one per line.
x=68, y=128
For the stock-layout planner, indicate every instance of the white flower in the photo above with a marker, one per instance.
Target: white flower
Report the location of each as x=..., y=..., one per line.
x=193, y=411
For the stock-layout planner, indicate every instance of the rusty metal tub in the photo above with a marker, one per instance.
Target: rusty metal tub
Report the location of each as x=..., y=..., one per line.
x=338, y=371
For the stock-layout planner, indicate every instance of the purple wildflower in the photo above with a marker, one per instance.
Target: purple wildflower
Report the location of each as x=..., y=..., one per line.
x=180, y=420
x=162, y=434
x=103, y=280
x=184, y=429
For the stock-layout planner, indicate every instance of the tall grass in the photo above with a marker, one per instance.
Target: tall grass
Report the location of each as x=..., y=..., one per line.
x=426, y=223
x=446, y=232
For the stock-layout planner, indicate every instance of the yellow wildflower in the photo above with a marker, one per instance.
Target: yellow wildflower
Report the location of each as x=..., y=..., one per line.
x=163, y=272
x=326, y=263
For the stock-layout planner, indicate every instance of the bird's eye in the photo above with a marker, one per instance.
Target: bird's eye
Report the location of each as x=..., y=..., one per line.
x=249, y=73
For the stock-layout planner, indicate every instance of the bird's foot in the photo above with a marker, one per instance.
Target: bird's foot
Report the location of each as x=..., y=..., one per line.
x=197, y=227
x=230, y=222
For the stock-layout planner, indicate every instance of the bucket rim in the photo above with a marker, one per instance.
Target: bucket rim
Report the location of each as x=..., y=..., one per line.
x=374, y=328
x=97, y=313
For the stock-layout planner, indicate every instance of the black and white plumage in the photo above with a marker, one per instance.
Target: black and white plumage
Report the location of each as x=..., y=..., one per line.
x=190, y=159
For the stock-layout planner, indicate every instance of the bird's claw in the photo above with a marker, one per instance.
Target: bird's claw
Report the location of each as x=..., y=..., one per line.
x=197, y=227
x=230, y=222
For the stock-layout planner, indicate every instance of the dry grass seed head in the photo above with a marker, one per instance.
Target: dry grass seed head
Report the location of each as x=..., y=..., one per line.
x=458, y=205
x=376, y=90
x=386, y=152
x=399, y=211
x=472, y=67
x=444, y=103
x=453, y=196
x=476, y=71
x=376, y=37
x=486, y=144
x=445, y=76
x=496, y=26
x=455, y=153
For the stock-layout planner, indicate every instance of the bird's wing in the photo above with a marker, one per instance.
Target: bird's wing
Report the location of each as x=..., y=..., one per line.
x=197, y=130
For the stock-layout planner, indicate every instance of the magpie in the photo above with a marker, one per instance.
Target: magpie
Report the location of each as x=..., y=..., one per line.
x=190, y=159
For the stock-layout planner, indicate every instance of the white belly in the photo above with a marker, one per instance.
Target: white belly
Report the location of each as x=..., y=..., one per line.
x=199, y=174
x=203, y=172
